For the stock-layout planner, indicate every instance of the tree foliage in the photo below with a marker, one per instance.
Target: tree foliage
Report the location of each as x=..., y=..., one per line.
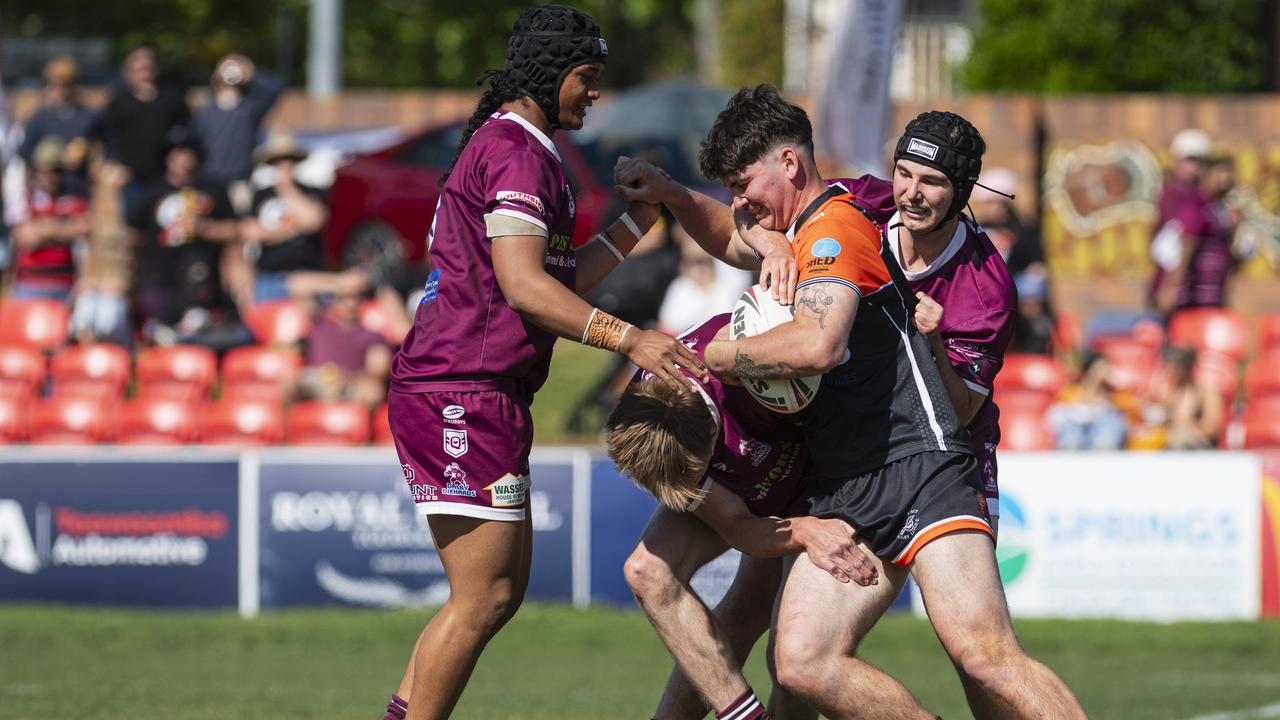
x=1209, y=46
x=386, y=43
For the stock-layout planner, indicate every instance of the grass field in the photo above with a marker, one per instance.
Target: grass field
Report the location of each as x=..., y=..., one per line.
x=550, y=662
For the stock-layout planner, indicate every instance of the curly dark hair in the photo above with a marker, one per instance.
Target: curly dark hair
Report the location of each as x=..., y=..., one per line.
x=755, y=121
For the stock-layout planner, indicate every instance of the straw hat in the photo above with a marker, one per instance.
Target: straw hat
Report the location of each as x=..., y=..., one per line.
x=280, y=145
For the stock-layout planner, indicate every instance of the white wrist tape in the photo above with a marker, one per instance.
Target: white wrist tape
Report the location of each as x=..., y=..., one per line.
x=625, y=219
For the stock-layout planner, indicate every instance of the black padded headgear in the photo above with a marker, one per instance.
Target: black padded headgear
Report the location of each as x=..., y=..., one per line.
x=949, y=144
x=547, y=42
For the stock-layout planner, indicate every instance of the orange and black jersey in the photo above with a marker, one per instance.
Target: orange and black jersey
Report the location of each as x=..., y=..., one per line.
x=887, y=400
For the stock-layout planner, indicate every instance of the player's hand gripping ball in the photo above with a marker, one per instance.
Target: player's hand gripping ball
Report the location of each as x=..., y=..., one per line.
x=755, y=312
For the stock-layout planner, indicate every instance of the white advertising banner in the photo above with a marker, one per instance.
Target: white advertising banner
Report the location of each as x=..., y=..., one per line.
x=1137, y=536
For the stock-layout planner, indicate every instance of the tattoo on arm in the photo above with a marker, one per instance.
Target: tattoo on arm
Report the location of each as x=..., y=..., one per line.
x=817, y=301
x=744, y=366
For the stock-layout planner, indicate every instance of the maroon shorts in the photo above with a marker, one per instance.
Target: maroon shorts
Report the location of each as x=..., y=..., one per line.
x=465, y=448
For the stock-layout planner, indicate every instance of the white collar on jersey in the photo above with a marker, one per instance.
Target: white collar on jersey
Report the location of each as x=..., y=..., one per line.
x=953, y=247
x=533, y=130
x=711, y=405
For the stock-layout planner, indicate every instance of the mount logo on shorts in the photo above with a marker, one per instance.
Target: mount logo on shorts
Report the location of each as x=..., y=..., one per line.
x=17, y=551
x=923, y=149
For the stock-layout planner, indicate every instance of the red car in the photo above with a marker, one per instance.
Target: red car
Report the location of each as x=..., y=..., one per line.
x=381, y=203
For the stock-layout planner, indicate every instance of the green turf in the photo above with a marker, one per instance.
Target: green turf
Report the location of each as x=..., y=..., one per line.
x=574, y=369
x=550, y=662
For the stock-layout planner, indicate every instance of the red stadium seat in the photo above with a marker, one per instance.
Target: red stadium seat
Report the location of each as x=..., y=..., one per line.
x=1067, y=331
x=1261, y=429
x=1025, y=431
x=13, y=419
x=180, y=371
x=41, y=324
x=266, y=392
x=22, y=367
x=73, y=420
x=1211, y=329
x=1133, y=360
x=261, y=364
x=1031, y=372
x=1017, y=401
x=328, y=423
x=1269, y=332
x=278, y=322
x=1263, y=375
x=101, y=363
x=159, y=421
x=243, y=422
x=375, y=318
x=382, y=426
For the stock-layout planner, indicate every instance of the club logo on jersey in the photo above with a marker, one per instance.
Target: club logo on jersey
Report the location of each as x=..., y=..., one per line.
x=826, y=248
x=452, y=414
x=455, y=442
x=754, y=449
x=922, y=148
x=509, y=491
x=523, y=198
x=457, y=482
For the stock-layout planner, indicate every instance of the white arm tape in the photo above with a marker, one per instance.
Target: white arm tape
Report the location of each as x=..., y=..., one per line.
x=604, y=240
x=625, y=219
x=587, y=329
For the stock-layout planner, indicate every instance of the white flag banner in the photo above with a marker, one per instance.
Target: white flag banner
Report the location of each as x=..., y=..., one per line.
x=854, y=107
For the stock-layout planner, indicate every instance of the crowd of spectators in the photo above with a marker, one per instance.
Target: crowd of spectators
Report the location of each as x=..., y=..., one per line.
x=157, y=223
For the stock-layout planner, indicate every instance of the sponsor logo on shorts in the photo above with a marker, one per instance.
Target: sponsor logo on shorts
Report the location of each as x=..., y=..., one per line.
x=509, y=491
x=922, y=148
x=523, y=198
x=455, y=442
x=452, y=414
x=910, y=527
x=408, y=472
x=457, y=482
x=423, y=493
x=826, y=248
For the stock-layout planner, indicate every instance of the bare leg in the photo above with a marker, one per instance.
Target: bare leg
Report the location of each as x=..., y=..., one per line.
x=486, y=562
x=673, y=547
x=960, y=584
x=406, y=681
x=820, y=623
x=742, y=616
x=783, y=704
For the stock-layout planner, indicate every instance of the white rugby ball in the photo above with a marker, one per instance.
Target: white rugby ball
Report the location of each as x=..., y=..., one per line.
x=755, y=312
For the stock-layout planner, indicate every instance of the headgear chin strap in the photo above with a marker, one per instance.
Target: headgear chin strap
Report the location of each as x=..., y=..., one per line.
x=949, y=144
x=549, y=41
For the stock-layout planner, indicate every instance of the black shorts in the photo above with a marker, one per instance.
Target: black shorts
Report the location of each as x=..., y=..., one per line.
x=901, y=507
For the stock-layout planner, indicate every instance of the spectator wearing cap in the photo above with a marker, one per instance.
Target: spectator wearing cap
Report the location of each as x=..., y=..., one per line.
x=1179, y=195
x=282, y=235
x=60, y=115
x=186, y=222
x=139, y=118
x=47, y=221
x=229, y=126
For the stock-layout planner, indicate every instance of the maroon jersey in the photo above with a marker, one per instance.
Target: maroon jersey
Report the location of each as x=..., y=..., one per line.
x=759, y=455
x=464, y=327
x=1210, y=259
x=972, y=284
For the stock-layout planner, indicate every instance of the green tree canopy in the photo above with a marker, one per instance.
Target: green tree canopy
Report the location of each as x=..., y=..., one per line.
x=1193, y=46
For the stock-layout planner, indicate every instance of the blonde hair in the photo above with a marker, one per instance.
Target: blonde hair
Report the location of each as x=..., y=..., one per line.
x=661, y=437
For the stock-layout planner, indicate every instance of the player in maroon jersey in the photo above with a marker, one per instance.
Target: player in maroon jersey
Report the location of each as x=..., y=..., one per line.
x=505, y=282
x=729, y=473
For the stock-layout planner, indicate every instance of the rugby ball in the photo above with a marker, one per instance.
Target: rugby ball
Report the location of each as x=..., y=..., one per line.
x=755, y=312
